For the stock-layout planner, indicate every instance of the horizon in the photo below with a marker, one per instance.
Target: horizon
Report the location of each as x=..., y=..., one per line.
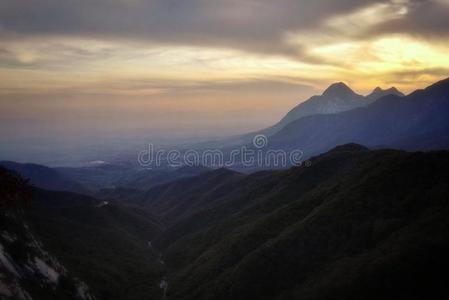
x=73, y=153
x=101, y=74
x=224, y=149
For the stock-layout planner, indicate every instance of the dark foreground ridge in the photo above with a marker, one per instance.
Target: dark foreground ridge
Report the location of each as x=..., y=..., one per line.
x=355, y=224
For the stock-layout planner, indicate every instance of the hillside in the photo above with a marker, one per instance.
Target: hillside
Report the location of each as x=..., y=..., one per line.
x=356, y=224
x=44, y=177
x=62, y=245
x=104, y=243
x=175, y=200
x=353, y=224
x=27, y=270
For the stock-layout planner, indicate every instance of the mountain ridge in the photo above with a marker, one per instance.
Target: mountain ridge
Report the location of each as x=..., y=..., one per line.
x=296, y=233
x=337, y=97
x=44, y=177
x=391, y=121
x=378, y=93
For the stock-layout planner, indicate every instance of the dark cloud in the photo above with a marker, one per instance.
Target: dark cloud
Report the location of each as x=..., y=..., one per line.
x=254, y=25
x=410, y=77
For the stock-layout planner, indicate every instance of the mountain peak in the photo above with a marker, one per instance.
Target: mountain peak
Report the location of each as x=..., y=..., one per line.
x=338, y=89
x=378, y=93
x=394, y=89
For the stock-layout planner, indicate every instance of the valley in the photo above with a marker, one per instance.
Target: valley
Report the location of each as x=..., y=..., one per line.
x=358, y=221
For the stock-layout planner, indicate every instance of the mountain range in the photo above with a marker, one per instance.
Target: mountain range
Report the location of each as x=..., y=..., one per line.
x=52, y=240
x=338, y=97
x=44, y=177
x=98, y=179
x=354, y=224
x=414, y=122
x=358, y=221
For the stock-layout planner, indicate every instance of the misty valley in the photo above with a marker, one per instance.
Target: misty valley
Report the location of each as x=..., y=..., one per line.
x=224, y=150
x=363, y=215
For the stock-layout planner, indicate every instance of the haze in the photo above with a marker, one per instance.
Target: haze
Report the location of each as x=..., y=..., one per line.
x=77, y=75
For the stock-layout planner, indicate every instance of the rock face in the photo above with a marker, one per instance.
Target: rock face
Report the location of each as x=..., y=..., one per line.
x=27, y=270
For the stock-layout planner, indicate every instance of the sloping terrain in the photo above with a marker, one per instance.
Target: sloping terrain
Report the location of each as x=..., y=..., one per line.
x=104, y=179
x=356, y=224
x=62, y=245
x=44, y=177
x=27, y=270
x=175, y=200
x=103, y=243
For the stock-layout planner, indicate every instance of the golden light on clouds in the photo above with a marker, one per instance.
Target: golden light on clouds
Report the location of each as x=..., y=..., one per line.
x=243, y=64
x=386, y=55
x=92, y=64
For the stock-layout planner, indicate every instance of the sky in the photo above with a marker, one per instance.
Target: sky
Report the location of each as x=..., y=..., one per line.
x=85, y=72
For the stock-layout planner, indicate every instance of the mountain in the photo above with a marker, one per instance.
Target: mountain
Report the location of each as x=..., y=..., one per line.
x=378, y=93
x=27, y=270
x=414, y=122
x=354, y=224
x=338, y=97
x=63, y=245
x=44, y=177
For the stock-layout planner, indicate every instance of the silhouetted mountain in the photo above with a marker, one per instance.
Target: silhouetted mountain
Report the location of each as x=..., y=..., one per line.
x=336, y=98
x=44, y=177
x=356, y=224
x=378, y=93
x=415, y=122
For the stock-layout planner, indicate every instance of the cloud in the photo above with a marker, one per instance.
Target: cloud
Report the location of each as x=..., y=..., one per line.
x=52, y=44
x=257, y=26
x=290, y=28
x=427, y=19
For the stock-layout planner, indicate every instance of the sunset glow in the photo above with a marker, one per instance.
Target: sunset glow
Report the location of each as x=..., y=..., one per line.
x=226, y=67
